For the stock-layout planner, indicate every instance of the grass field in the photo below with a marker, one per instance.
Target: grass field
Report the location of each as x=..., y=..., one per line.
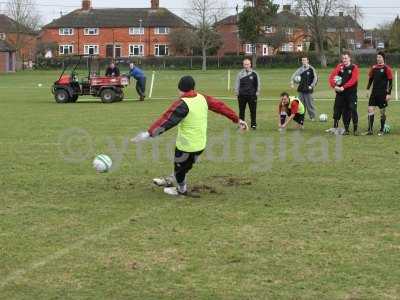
x=295, y=216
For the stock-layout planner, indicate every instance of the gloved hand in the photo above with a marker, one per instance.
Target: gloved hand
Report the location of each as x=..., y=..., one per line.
x=243, y=125
x=142, y=136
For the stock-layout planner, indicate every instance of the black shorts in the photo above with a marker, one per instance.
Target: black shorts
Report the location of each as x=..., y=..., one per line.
x=344, y=102
x=298, y=118
x=378, y=100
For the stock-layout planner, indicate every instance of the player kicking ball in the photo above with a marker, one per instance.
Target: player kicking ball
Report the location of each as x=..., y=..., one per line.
x=290, y=108
x=381, y=79
x=190, y=113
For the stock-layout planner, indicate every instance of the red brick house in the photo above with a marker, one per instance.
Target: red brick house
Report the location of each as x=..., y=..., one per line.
x=115, y=32
x=296, y=38
x=7, y=57
x=20, y=37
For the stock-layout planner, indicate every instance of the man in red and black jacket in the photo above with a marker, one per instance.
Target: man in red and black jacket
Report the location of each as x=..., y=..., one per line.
x=381, y=78
x=344, y=79
x=190, y=113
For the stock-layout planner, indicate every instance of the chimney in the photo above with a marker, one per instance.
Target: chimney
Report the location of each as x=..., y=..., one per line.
x=287, y=7
x=86, y=4
x=155, y=4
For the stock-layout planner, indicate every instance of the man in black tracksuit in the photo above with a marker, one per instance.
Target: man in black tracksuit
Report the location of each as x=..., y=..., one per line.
x=247, y=89
x=344, y=79
x=381, y=80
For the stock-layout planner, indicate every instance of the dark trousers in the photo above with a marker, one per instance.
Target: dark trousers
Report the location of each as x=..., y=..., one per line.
x=183, y=163
x=346, y=107
x=252, y=102
x=141, y=86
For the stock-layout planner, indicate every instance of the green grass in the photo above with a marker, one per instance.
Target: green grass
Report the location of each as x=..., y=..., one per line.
x=266, y=226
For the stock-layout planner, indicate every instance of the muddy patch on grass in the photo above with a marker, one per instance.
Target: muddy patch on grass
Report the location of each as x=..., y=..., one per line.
x=232, y=180
x=204, y=188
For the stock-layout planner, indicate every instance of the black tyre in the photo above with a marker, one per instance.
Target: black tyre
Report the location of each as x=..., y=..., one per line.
x=61, y=96
x=108, y=96
x=74, y=98
x=120, y=97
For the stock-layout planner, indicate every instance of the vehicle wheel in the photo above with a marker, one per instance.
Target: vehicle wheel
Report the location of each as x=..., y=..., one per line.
x=61, y=96
x=74, y=98
x=120, y=97
x=108, y=96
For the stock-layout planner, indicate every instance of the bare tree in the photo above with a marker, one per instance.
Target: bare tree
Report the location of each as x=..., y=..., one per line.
x=316, y=13
x=204, y=14
x=183, y=41
x=26, y=19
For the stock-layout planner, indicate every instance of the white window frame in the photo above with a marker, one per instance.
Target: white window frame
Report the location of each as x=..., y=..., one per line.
x=140, y=48
x=66, y=31
x=351, y=41
x=63, y=46
x=158, y=31
x=156, y=47
x=2, y=36
x=269, y=29
x=287, y=47
x=136, y=30
x=248, y=48
x=289, y=31
x=86, y=48
x=91, y=31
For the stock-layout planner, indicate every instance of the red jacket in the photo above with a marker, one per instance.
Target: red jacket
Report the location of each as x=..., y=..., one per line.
x=179, y=110
x=349, y=84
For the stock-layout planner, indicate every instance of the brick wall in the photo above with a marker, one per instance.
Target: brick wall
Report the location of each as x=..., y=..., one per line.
x=28, y=44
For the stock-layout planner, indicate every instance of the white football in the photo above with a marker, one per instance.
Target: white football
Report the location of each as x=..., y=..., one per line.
x=40, y=85
x=102, y=163
x=323, y=117
x=297, y=79
x=338, y=80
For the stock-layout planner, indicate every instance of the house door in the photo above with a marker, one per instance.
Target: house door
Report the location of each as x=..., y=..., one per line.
x=109, y=50
x=117, y=51
x=10, y=62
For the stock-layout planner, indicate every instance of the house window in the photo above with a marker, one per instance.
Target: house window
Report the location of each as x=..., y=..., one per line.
x=2, y=36
x=136, y=50
x=91, y=49
x=331, y=29
x=249, y=48
x=289, y=31
x=161, y=50
x=269, y=29
x=136, y=30
x=161, y=30
x=287, y=47
x=65, y=49
x=91, y=31
x=349, y=29
x=66, y=31
x=350, y=42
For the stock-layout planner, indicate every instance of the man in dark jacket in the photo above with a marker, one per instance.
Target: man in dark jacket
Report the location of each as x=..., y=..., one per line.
x=247, y=90
x=112, y=70
x=306, y=78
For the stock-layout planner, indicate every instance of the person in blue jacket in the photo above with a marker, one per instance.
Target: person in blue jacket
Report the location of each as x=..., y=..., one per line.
x=140, y=78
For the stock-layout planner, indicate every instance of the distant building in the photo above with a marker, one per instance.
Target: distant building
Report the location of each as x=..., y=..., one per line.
x=114, y=32
x=295, y=38
x=19, y=36
x=7, y=57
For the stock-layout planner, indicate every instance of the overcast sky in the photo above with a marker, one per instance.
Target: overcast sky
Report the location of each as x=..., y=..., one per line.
x=375, y=12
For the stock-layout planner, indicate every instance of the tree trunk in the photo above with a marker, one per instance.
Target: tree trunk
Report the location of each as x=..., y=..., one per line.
x=321, y=53
x=204, y=54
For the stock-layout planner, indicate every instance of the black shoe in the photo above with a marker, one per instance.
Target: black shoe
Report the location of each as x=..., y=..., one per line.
x=346, y=132
x=355, y=133
x=254, y=127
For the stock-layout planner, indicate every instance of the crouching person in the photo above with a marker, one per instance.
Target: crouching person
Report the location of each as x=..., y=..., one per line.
x=290, y=108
